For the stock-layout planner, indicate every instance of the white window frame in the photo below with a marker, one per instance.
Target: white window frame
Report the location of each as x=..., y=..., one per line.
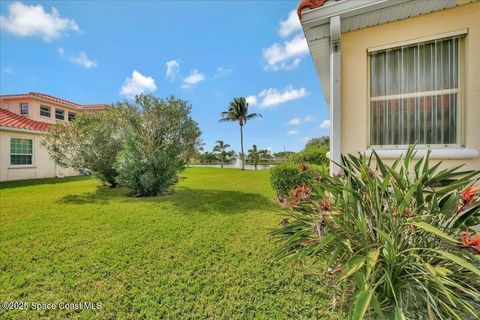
x=461, y=130
x=63, y=113
x=32, y=165
x=49, y=111
x=23, y=104
x=71, y=113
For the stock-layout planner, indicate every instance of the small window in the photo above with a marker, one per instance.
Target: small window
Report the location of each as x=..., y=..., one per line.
x=59, y=114
x=71, y=116
x=23, y=108
x=45, y=111
x=21, y=152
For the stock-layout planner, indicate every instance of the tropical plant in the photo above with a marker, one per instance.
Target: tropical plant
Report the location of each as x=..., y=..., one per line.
x=220, y=149
x=285, y=177
x=208, y=157
x=161, y=132
x=265, y=155
x=254, y=156
x=312, y=155
x=318, y=142
x=238, y=112
x=92, y=141
x=283, y=155
x=397, y=239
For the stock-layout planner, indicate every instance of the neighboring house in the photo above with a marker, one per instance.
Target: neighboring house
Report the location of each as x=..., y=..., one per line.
x=24, y=119
x=399, y=72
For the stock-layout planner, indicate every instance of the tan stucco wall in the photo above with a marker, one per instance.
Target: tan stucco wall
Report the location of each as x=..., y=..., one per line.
x=43, y=166
x=354, y=75
x=13, y=105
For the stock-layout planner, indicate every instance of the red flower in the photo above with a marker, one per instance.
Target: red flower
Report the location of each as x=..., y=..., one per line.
x=467, y=196
x=471, y=243
x=293, y=203
x=303, y=167
x=326, y=204
x=302, y=193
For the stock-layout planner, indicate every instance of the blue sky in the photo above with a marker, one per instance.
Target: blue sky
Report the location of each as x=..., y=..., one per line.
x=105, y=51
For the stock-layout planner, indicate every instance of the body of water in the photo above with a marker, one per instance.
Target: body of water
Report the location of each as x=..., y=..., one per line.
x=234, y=166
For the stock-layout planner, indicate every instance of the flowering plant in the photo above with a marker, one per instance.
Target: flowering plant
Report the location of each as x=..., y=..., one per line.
x=398, y=240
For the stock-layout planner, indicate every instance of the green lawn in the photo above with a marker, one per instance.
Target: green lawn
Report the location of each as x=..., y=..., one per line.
x=201, y=252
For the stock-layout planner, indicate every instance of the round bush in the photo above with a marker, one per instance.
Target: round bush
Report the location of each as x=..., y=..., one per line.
x=312, y=155
x=285, y=177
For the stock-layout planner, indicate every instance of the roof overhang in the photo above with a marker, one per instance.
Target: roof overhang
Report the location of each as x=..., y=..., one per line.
x=355, y=15
x=55, y=101
x=5, y=128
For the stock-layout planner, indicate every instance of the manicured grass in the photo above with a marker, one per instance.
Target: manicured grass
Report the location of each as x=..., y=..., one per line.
x=201, y=252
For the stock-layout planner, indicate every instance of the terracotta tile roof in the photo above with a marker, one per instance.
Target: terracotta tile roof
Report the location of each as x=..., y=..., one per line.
x=53, y=99
x=13, y=120
x=310, y=4
x=94, y=106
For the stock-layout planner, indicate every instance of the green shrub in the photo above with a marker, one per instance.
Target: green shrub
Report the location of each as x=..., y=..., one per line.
x=161, y=131
x=395, y=239
x=92, y=141
x=312, y=155
x=287, y=176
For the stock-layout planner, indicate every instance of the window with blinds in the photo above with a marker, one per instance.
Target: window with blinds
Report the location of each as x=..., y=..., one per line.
x=415, y=94
x=21, y=151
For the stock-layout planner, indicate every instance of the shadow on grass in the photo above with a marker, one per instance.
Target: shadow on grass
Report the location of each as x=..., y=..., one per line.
x=185, y=200
x=43, y=181
x=215, y=201
x=103, y=195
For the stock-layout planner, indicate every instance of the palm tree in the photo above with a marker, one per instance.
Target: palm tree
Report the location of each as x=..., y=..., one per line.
x=265, y=155
x=254, y=155
x=221, y=149
x=238, y=112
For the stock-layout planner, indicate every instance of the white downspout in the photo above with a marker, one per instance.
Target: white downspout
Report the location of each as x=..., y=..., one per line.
x=335, y=94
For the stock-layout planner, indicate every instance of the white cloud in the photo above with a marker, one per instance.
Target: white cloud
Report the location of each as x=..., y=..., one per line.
x=272, y=97
x=194, y=78
x=297, y=121
x=33, y=21
x=222, y=72
x=251, y=100
x=137, y=84
x=172, y=69
x=325, y=124
x=290, y=25
x=287, y=56
x=308, y=118
x=294, y=121
x=8, y=70
x=81, y=59
x=293, y=132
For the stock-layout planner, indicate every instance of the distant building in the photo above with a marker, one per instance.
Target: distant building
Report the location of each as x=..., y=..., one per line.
x=24, y=119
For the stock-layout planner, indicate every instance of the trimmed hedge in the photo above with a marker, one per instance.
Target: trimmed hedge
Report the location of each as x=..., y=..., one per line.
x=312, y=155
x=285, y=177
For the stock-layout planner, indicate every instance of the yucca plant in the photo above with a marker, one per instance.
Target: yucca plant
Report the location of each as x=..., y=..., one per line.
x=396, y=239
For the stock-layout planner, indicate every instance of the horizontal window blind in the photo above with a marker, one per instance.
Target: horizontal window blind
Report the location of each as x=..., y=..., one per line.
x=414, y=94
x=21, y=151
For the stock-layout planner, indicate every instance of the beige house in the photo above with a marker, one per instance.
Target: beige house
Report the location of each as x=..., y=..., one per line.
x=399, y=72
x=24, y=119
